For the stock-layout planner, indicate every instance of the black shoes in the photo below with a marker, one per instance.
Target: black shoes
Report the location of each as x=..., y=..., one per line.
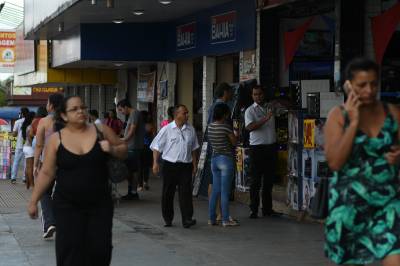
x=168, y=224
x=253, y=215
x=131, y=196
x=272, y=213
x=189, y=223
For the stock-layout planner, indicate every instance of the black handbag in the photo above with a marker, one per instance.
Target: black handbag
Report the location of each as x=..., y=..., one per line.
x=319, y=206
x=117, y=169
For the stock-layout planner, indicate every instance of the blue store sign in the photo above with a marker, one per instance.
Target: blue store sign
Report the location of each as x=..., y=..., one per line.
x=186, y=36
x=223, y=27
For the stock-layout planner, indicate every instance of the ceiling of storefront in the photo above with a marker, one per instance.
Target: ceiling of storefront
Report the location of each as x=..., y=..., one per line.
x=85, y=12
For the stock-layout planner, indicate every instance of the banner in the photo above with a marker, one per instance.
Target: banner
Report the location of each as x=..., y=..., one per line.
x=7, y=51
x=146, y=84
x=309, y=133
x=383, y=27
x=292, y=41
x=223, y=27
x=186, y=36
x=247, y=65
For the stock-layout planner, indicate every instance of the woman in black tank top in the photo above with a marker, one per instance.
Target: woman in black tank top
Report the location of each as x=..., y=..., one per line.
x=82, y=198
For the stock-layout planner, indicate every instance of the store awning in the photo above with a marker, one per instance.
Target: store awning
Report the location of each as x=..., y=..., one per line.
x=12, y=112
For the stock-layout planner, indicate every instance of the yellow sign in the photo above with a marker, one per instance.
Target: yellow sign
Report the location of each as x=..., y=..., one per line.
x=309, y=133
x=47, y=90
x=7, y=51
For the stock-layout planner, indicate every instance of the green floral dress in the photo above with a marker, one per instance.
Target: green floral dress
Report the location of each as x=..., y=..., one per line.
x=363, y=224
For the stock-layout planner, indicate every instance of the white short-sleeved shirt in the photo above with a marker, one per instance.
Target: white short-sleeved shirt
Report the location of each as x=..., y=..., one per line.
x=264, y=135
x=18, y=128
x=176, y=144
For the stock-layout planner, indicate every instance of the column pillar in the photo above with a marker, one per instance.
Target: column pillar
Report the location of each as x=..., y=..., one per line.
x=209, y=79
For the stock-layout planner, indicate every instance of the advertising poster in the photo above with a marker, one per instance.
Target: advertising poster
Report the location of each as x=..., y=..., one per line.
x=163, y=89
x=146, y=84
x=293, y=127
x=223, y=27
x=7, y=51
x=307, y=194
x=309, y=133
x=5, y=155
x=247, y=65
x=186, y=36
x=242, y=169
x=309, y=165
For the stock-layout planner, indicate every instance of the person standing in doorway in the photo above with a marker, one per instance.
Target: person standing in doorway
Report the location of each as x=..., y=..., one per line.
x=134, y=137
x=178, y=143
x=19, y=153
x=260, y=121
x=113, y=122
x=46, y=127
x=170, y=113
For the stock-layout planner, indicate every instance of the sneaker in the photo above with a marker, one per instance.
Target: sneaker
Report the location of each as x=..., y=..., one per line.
x=13, y=181
x=230, y=223
x=50, y=232
x=130, y=196
x=253, y=215
x=212, y=223
x=140, y=189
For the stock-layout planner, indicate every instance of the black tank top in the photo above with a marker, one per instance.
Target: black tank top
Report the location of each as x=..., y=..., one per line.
x=81, y=179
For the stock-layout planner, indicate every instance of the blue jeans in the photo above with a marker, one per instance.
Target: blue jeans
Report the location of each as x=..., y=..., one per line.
x=19, y=155
x=222, y=171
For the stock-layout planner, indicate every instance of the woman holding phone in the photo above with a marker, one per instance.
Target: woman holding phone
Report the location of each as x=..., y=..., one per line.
x=363, y=224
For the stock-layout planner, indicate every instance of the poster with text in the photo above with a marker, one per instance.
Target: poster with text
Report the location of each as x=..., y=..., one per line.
x=7, y=51
x=146, y=84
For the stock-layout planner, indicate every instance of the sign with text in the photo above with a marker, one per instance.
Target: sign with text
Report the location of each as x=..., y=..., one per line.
x=146, y=84
x=186, y=36
x=7, y=51
x=47, y=90
x=223, y=27
x=309, y=133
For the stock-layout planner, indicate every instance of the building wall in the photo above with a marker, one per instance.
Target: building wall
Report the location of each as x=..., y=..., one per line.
x=225, y=69
x=185, y=86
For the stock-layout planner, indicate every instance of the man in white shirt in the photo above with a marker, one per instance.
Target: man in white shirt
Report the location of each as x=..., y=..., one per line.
x=19, y=154
x=178, y=143
x=260, y=121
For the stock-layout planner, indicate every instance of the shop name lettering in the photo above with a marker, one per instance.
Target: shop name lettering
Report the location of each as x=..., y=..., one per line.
x=185, y=36
x=8, y=43
x=46, y=90
x=223, y=27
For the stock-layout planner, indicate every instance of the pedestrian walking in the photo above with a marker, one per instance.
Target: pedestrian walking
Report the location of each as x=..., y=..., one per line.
x=46, y=127
x=134, y=137
x=260, y=121
x=77, y=159
x=19, y=153
x=361, y=146
x=220, y=136
x=27, y=149
x=178, y=144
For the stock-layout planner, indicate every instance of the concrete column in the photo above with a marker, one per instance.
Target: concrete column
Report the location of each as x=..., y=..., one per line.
x=101, y=102
x=209, y=78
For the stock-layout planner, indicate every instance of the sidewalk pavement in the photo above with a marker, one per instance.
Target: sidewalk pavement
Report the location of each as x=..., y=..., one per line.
x=140, y=239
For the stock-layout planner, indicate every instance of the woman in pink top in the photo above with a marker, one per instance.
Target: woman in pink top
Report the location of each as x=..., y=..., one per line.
x=170, y=117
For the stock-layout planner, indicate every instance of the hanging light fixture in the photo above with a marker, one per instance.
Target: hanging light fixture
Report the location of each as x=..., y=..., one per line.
x=138, y=12
x=110, y=3
x=165, y=2
x=118, y=20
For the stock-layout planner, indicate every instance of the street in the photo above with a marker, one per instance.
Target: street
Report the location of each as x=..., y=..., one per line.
x=140, y=238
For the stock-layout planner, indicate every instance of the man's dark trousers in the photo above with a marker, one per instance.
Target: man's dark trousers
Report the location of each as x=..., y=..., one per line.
x=263, y=166
x=177, y=174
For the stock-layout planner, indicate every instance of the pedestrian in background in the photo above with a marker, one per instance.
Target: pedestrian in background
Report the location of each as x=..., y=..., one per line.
x=134, y=137
x=260, y=121
x=27, y=149
x=147, y=158
x=178, y=144
x=46, y=127
x=94, y=117
x=113, y=122
x=170, y=113
x=361, y=146
x=222, y=140
x=83, y=207
x=19, y=153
